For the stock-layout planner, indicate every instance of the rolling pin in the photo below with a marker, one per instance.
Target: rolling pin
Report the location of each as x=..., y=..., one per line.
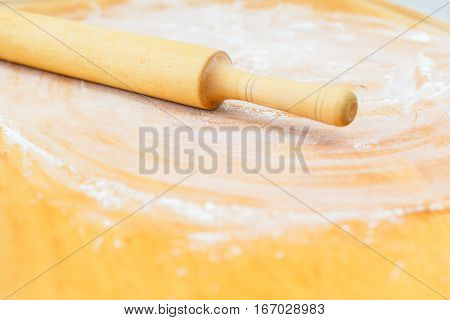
x=188, y=74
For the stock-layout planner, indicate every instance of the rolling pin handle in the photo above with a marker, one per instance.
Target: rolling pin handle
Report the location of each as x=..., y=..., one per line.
x=333, y=105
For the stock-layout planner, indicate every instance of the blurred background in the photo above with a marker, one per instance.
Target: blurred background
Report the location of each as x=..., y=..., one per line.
x=427, y=6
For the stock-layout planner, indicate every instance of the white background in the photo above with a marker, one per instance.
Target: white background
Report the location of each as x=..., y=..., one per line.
x=111, y=310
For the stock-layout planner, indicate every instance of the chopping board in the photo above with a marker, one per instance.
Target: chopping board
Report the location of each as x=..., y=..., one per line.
x=365, y=215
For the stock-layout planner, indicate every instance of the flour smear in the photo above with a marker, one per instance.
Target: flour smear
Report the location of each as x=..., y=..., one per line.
x=393, y=160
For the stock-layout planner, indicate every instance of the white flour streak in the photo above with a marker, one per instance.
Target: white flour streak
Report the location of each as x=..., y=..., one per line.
x=13, y=137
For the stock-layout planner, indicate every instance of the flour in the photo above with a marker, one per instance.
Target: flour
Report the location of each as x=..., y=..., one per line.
x=388, y=163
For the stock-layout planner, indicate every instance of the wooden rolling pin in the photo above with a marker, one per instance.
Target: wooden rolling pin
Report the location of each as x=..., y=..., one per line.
x=188, y=74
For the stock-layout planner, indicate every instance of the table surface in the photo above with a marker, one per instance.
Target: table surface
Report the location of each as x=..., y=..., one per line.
x=370, y=220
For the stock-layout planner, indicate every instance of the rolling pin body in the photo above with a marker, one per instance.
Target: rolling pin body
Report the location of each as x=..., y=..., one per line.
x=188, y=74
x=148, y=65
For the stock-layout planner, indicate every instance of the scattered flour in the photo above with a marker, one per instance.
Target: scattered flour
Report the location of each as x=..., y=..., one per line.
x=401, y=130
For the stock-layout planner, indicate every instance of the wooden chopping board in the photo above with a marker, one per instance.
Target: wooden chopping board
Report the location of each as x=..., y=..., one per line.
x=370, y=220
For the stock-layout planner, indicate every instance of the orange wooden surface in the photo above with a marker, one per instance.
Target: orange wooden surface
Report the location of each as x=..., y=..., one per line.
x=151, y=257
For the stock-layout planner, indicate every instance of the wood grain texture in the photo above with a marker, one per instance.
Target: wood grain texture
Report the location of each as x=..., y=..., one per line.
x=64, y=125
x=75, y=9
